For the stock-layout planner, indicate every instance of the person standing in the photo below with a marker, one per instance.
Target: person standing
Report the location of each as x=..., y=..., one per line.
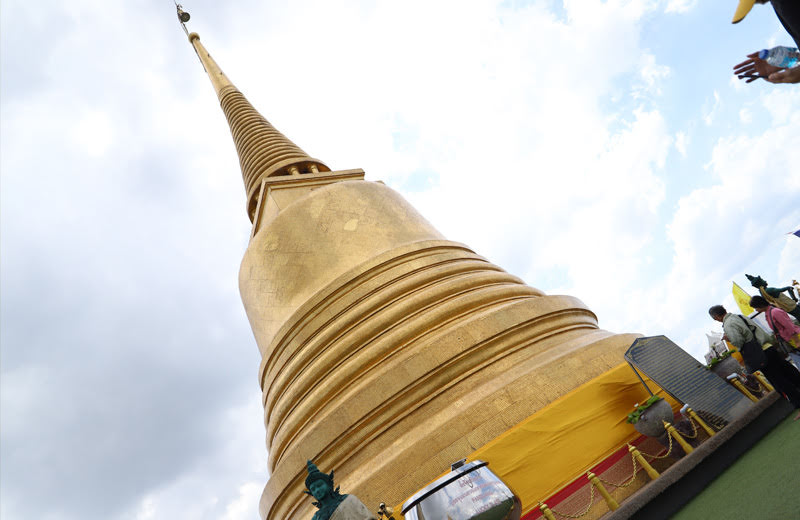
x=782, y=324
x=743, y=334
x=779, y=321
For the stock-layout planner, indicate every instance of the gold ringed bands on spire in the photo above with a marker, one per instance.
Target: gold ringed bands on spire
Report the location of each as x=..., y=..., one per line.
x=263, y=151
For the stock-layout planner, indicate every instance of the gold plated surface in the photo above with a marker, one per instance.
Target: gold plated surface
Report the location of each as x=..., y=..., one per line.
x=388, y=352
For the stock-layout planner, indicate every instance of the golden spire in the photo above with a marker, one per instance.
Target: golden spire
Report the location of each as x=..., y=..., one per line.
x=263, y=151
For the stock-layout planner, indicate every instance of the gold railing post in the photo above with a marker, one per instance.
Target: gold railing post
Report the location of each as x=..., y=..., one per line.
x=643, y=462
x=696, y=418
x=384, y=510
x=612, y=504
x=546, y=511
x=734, y=379
x=763, y=380
x=677, y=436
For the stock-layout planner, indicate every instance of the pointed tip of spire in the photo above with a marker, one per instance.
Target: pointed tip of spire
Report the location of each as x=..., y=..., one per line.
x=218, y=78
x=263, y=151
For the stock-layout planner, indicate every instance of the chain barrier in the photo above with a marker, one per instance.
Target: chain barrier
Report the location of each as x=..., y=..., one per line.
x=694, y=429
x=585, y=511
x=627, y=482
x=664, y=456
x=753, y=384
x=636, y=470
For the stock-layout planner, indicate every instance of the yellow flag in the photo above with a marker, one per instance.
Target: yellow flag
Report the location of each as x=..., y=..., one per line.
x=742, y=300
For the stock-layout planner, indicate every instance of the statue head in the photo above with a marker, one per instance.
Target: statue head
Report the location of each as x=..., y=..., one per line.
x=318, y=483
x=319, y=489
x=320, y=486
x=756, y=281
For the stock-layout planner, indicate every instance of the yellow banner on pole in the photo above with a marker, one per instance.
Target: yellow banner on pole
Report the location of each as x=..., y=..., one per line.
x=742, y=300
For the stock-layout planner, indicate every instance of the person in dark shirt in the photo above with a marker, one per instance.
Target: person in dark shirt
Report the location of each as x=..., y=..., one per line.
x=788, y=12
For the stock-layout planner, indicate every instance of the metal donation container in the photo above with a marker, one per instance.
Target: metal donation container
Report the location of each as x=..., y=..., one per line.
x=469, y=492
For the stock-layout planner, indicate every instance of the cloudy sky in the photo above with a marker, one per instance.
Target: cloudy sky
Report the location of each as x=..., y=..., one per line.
x=599, y=149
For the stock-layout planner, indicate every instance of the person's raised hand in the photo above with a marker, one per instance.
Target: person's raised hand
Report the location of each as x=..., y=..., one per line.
x=754, y=68
x=785, y=76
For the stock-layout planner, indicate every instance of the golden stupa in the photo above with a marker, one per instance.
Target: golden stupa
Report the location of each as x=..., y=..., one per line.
x=388, y=352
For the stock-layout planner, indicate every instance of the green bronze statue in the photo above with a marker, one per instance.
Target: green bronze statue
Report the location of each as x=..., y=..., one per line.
x=332, y=505
x=320, y=486
x=775, y=296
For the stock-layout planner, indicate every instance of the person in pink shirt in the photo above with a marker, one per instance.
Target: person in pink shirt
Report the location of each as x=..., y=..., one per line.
x=784, y=327
x=780, y=322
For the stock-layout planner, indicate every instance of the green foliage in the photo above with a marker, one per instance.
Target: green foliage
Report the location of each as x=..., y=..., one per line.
x=723, y=356
x=633, y=417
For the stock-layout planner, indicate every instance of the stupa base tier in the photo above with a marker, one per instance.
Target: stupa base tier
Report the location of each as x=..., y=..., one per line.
x=427, y=420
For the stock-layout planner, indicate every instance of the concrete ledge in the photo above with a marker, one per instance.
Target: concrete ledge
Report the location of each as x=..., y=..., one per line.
x=665, y=496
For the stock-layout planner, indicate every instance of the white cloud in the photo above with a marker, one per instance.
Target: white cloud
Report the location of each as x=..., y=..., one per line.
x=653, y=74
x=681, y=142
x=746, y=115
x=680, y=6
x=789, y=263
x=779, y=102
x=94, y=133
x=147, y=509
x=719, y=230
x=710, y=110
x=241, y=508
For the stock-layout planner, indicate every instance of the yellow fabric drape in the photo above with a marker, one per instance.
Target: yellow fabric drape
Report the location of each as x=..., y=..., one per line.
x=560, y=442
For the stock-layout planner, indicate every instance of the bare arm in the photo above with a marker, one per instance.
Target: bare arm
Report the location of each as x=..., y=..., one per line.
x=785, y=76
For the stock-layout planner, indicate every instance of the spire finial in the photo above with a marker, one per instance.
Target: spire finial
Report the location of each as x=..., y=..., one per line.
x=183, y=16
